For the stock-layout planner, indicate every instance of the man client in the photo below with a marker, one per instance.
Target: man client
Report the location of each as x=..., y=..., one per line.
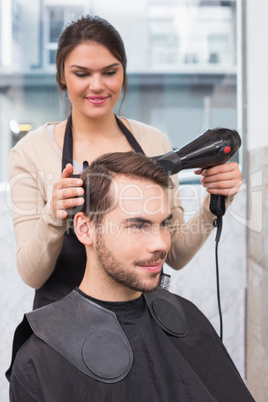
x=119, y=337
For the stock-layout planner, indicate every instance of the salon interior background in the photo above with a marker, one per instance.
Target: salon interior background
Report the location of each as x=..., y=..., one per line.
x=192, y=64
x=181, y=64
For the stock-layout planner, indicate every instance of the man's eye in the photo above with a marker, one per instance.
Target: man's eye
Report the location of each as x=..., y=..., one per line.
x=137, y=226
x=140, y=226
x=166, y=224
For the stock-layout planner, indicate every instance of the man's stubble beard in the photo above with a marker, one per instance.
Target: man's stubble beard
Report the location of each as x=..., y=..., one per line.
x=120, y=273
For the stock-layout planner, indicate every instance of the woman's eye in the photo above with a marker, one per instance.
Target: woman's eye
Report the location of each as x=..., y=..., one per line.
x=81, y=74
x=112, y=72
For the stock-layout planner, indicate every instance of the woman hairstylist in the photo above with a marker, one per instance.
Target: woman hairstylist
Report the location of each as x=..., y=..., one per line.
x=91, y=67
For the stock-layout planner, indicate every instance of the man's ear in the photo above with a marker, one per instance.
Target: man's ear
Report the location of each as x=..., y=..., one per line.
x=83, y=228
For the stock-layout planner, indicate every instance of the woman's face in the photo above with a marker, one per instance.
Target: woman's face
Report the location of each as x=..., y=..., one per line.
x=94, y=79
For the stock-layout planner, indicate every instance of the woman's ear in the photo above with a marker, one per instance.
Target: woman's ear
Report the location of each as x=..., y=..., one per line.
x=83, y=228
x=62, y=80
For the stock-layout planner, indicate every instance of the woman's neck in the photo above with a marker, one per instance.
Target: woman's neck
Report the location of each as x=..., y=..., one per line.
x=95, y=137
x=86, y=128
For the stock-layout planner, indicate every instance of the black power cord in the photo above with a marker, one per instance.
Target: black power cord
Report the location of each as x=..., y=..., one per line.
x=218, y=223
x=217, y=207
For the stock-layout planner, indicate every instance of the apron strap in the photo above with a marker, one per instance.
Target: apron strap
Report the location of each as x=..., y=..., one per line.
x=129, y=136
x=67, y=152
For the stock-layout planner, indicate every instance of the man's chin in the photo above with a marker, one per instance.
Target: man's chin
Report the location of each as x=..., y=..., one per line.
x=147, y=287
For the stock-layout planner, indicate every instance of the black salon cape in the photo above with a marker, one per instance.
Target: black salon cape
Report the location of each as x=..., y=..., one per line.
x=165, y=368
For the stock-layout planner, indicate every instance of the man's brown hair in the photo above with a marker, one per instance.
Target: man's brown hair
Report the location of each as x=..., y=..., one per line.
x=97, y=179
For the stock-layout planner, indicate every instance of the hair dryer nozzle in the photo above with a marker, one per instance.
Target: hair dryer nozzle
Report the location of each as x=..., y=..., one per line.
x=213, y=147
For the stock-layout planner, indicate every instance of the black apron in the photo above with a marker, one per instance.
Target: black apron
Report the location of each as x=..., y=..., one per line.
x=70, y=266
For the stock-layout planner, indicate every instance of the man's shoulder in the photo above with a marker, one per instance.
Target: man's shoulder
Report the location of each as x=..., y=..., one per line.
x=192, y=311
x=24, y=378
x=76, y=319
x=177, y=298
x=193, y=316
x=30, y=353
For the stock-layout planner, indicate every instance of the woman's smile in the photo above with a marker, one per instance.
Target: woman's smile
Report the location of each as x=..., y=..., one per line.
x=97, y=100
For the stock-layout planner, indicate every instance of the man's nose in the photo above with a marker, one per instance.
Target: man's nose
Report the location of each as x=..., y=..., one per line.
x=159, y=240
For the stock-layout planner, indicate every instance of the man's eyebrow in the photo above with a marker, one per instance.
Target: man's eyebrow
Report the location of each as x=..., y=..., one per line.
x=170, y=216
x=138, y=220
x=88, y=69
x=148, y=221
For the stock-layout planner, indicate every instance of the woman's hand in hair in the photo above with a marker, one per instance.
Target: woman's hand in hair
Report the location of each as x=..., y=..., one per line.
x=67, y=193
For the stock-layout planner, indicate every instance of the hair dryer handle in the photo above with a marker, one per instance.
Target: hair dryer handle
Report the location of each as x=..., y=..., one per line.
x=217, y=204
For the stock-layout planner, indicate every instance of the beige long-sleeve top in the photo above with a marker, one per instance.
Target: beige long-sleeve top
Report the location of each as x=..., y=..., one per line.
x=35, y=165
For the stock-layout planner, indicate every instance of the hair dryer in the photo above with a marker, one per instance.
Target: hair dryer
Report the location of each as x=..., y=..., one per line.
x=213, y=147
